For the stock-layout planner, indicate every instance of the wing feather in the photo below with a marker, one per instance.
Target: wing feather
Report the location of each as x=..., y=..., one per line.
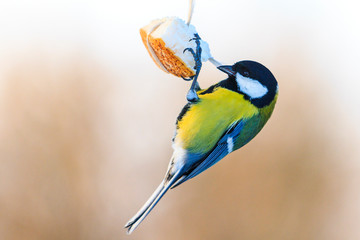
x=219, y=152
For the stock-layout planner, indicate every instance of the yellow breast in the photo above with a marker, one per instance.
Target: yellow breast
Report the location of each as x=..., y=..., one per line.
x=206, y=121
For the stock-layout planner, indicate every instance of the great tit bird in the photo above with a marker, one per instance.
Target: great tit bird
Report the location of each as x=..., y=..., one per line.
x=220, y=120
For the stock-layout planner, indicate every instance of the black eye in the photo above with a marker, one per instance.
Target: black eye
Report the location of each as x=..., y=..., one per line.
x=244, y=71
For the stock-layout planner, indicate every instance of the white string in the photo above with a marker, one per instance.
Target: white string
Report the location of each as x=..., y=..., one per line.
x=215, y=62
x=151, y=50
x=191, y=10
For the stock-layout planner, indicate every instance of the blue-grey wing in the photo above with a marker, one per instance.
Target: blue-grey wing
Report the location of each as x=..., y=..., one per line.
x=223, y=147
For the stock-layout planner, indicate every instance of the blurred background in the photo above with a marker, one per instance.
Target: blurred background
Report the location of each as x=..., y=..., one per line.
x=86, y=121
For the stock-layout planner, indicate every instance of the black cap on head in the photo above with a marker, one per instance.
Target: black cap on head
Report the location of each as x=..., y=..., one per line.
x=255, y=71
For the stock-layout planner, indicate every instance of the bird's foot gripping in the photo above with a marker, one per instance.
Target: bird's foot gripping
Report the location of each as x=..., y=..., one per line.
x=192, y=95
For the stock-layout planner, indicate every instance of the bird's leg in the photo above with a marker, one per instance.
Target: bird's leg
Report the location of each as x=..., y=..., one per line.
x=192, y=95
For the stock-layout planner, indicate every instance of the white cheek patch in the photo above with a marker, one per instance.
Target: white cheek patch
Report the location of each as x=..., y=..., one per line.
x=251, y=87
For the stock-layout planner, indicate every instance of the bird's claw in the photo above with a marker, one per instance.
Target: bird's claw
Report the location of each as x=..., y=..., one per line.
x=191, y=51
x=192, y=95
x=196, y=37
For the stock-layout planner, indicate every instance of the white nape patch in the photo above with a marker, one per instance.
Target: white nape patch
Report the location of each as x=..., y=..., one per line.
x=230, y=144
x=251, y=87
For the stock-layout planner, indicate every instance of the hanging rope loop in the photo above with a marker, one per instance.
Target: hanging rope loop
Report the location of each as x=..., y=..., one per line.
x=190, y=13
x=191, y=10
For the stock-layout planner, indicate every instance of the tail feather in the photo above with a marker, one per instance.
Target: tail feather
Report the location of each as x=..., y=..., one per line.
x=150, y=203
x=146, y=205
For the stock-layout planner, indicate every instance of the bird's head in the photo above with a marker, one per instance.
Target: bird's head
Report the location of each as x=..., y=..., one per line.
x=253, y=80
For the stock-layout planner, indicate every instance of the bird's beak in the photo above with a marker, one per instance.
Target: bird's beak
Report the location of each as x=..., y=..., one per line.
x=227, y=69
